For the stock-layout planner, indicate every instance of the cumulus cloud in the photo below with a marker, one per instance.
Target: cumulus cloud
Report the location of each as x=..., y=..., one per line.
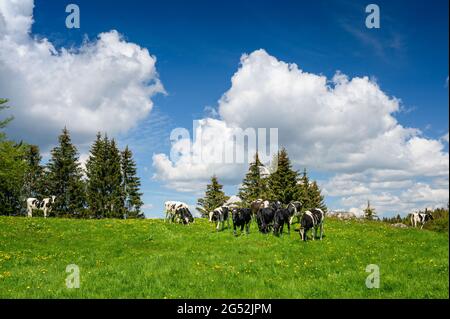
x=105, y=84
x=342, y=126
x=218, y=149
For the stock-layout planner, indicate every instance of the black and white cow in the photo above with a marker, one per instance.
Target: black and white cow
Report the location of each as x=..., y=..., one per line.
x=241, y=218
x=220, y=215
x=177, y=212
x=313, y=220
x=184, y=216
x=420, y=218
x=281, y=218
x=45, y=205
x=295, y=211
x=264, y=218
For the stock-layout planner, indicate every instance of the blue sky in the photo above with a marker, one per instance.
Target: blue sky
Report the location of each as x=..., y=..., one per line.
x=198, y=46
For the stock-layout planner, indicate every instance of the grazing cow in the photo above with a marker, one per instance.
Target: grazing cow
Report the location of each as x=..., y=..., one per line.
x=313, y=220
x=45, y=205
x=241, y=217
x=183, y=215
x=220, y=215
x=177, y=212
x=265, y=219
x=295, y=211
x=420, y=218
x=280, y=218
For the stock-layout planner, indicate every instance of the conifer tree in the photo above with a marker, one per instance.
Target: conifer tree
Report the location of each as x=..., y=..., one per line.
x=116, y=198
x=4, y=122
x=369, y=212
x=214, y=197
x=316, y=198
x=303, y=191
x=283, y=182
x=95, y=173
x=65, y=178
x=34, y=178
x=105, y=194
x=131, y=185
x=253, y=186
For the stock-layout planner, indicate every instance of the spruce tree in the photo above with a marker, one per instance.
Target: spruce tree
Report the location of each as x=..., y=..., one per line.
x=116, y=198
x=369, y=212
x=131, y=185
x=283, y=182
x=253, y=186
x=95, y=173
x=214, y=197
x=34, y=177
x=316, y=198
x=105, y=194
x=65, y=178
x=4, y=122
x=303, y=191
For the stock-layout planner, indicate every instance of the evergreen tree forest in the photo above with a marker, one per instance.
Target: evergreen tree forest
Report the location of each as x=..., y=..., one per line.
x=109, y=187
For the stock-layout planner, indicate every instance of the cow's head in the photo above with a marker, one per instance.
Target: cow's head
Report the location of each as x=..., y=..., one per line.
x=428, y=216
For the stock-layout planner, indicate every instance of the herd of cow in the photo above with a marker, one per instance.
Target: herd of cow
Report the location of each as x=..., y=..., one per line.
x=269, y=216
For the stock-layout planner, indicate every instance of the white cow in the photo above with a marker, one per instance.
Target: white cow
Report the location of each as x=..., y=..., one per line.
x=45, y=205
x=420, y=218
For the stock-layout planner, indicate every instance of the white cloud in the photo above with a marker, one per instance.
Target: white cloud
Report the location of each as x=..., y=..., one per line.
x=346, y=127
x=445, y=138
x=105, y=84
x=196, y=161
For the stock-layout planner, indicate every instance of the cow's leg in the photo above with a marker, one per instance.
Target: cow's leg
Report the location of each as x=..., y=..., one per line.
x=291, y=219
x=313, y=233
x=45, y=212
x=289, y=228
x=321, y=230
x=234, y=228
x=247, y=228
x=29, y=211
x=423, y=224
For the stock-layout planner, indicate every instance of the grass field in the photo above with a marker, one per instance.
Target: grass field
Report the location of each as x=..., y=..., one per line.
x=151, y=259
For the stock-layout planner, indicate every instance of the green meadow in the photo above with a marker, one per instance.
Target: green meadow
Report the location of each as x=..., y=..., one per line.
x=152, y=259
